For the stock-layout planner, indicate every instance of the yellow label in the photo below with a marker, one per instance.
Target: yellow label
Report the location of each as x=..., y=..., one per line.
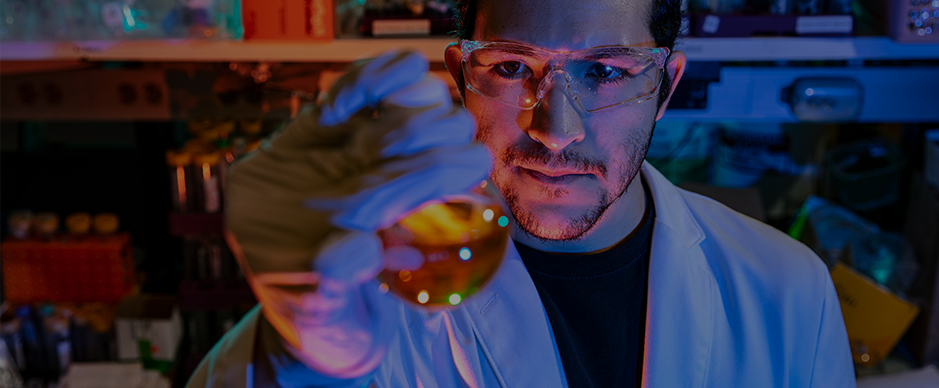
x=874, y=317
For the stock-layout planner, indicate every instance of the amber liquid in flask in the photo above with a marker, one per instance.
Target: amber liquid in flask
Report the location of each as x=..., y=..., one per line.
x=462, y=239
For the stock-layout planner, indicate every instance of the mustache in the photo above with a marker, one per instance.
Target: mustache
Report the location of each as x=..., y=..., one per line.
x=537, y=154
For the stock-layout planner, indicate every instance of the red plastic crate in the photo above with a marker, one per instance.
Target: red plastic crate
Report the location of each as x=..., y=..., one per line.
x=89, y=269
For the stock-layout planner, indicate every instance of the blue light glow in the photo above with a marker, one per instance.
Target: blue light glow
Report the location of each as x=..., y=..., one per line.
x=465, y=253
x=503, y=221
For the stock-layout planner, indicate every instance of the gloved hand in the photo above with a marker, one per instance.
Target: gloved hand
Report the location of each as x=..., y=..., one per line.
x=386, y=139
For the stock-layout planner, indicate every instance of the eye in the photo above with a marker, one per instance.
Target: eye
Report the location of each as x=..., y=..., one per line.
x=602, y=71
x=510, y=68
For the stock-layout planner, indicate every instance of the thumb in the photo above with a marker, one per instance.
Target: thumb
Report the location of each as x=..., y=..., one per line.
x=350, y=256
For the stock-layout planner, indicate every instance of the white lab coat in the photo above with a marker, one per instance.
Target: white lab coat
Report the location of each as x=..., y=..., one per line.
x=732, y=303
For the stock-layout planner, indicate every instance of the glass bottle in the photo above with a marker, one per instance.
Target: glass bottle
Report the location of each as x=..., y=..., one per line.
x=180, y=174
x=208, y=190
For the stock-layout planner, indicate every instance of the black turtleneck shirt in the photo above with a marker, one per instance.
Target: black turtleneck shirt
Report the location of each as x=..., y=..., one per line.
x=597, y=305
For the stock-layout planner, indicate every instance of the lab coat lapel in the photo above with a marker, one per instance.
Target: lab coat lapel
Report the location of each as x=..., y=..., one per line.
x=680, y=313
x=512, y=328
x=231, y=359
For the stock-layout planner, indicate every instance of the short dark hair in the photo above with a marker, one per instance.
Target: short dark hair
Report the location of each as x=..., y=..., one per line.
x=664, y=23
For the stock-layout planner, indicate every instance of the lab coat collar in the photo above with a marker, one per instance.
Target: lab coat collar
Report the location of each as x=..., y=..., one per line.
x=231, y=360
x=670, y=207
x=515, y=334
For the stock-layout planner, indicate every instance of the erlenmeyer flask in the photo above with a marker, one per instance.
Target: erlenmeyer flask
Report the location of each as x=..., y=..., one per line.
x=462, y=239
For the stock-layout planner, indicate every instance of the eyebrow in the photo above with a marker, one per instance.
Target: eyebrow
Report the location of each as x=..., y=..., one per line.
x=520, y=49
x=607, y=52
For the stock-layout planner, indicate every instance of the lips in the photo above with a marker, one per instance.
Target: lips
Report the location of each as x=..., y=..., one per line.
x=552, y=177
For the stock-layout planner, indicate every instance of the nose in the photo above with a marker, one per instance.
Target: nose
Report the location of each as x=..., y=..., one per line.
x=556, y=121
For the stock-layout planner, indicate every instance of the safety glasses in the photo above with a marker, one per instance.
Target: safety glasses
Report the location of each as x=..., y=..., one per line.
x=597, y=78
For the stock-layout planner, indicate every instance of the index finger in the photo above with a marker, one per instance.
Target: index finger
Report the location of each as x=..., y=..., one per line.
x=366, y=84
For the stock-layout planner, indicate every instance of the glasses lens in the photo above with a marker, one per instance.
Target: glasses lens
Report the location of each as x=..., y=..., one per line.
x=599, y=78
x=503, y=74
x=609, y=77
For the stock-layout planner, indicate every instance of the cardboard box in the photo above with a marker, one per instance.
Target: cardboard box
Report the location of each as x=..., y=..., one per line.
x=874, y=317
x=310, y=20
x=148, y=320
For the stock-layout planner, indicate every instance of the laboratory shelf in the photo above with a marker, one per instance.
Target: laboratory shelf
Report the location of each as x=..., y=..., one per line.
x=211, y=51
x=796, y=48
x=345, y=50
x=904, y=94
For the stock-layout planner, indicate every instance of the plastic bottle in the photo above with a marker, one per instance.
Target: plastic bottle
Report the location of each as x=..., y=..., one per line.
x=81, y=336
x=56, y=339
x=45, y=225
x=10, y=331
x=100, y=319
x=20, y=223
x=35, y=356
x=214, y=251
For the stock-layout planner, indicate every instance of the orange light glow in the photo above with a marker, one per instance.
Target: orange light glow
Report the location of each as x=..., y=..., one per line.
x=206, y=172
x=461, y=248
x=181, y=184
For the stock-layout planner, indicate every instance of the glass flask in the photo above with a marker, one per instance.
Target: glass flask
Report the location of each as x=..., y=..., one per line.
x=462, y=239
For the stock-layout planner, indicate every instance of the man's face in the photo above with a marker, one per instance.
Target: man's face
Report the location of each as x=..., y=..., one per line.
x=559, y=167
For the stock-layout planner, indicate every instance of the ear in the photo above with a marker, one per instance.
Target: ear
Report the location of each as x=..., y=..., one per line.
x=453, y=58
x=675, y=68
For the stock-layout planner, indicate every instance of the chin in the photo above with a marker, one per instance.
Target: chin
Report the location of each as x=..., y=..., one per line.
x=556, y=233
x=549, y=222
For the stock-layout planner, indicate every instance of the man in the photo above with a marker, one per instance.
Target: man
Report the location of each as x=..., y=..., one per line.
x=614, y=278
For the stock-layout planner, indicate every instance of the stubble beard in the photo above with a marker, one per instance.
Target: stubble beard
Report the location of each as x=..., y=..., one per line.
x=577, y=226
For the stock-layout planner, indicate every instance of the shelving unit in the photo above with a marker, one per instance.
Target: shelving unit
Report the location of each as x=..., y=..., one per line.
x=345, y=50
x=794, y=49
x=738, y=92
x=215, y=51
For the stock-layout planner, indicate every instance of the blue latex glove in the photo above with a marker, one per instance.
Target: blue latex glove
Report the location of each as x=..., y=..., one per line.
x=386, y=139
